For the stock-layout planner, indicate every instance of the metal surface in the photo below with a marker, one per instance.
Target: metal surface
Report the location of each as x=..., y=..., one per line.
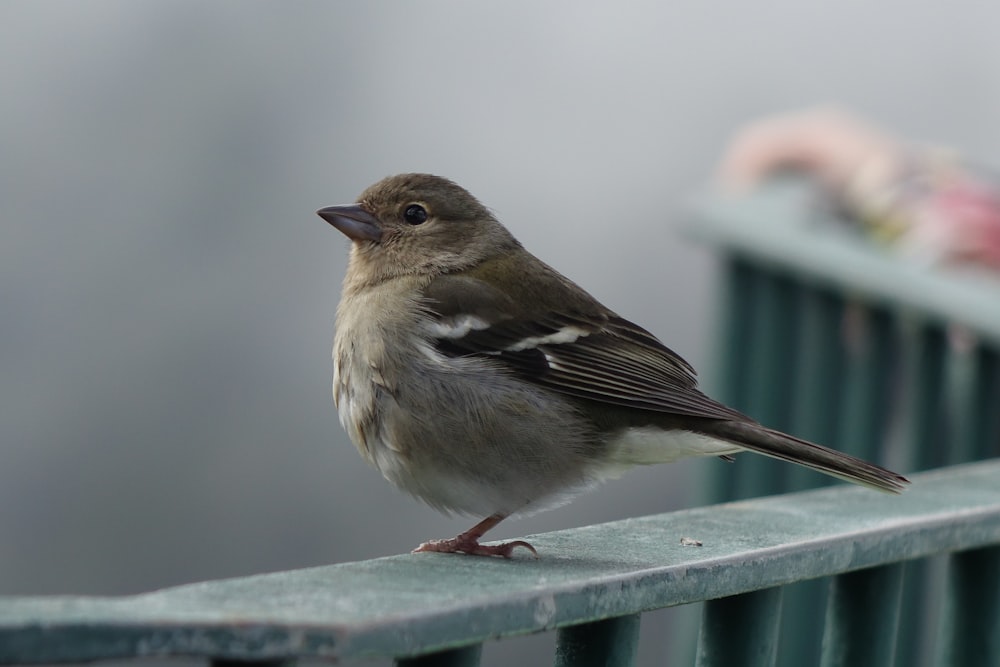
x=609, y=643
x=972, y=622
x=895, y=361
x=863, y=617
x=741, y=631
x=467, y=656
x=414, y=604
x=783, y=226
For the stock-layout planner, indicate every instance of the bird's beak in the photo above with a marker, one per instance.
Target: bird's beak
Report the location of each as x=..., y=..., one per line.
x=355, y=222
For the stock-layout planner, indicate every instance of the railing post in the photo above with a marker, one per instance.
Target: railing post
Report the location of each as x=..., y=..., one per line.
x=609, y=643
x=867, y=391
x=971, y=629
x=732, y=381
x=819, y=375
x=924, y=427
x=772, y=341
x=741, y=631
x=466, y=656
x=977, y=422
x=225, y=662
x=862, y=617
x=736, y=314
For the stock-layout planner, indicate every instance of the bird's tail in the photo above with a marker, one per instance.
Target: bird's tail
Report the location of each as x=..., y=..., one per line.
x=782, y=446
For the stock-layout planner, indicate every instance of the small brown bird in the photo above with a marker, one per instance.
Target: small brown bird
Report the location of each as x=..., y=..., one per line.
x=480, y=380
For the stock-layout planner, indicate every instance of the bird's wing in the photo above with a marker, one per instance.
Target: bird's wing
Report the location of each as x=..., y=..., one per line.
x=577, y=347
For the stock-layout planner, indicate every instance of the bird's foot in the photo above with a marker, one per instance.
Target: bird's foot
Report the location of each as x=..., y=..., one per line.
x=470, y=545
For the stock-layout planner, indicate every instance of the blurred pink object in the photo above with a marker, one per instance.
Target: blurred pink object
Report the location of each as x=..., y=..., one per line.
x=958, y=221
x=921, y=201
x=830, y=144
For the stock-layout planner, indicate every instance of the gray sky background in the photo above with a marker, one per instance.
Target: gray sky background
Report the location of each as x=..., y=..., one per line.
x=167, y=294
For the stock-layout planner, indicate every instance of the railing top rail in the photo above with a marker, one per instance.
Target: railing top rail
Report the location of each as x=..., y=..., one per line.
x=410, y=604
x=785, y=225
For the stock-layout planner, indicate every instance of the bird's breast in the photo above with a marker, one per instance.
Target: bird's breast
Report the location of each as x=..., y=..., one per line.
x=372, y=347
x=461, y=433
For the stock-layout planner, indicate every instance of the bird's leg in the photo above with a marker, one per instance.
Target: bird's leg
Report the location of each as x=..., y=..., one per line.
x=468, y=542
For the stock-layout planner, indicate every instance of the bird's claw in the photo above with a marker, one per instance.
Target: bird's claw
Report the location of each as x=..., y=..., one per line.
x=473, y=547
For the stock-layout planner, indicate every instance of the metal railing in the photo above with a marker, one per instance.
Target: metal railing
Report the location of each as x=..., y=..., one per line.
x=590, y=585
x=829, y=337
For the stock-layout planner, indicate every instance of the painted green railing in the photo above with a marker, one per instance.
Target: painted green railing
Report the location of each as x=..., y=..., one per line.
x=590, y=584
x=825, y=336
x=828, y=336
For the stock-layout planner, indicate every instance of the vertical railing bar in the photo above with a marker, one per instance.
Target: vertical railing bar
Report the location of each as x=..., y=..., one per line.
x=821, y=397
x=801, y=631
x=986, y=398
x=923, y=432
x=820, y=373
x=738, y=299
x=963, y=380
x=734, y=327
x=612, y=642
x=971, y=623
x=869, y=333
x=465, y=656
x=925, y=449
x=683, y=630
x=741, y=631
x=749, y=472
x=772, y=356
x=770, y=375
x=862, y=617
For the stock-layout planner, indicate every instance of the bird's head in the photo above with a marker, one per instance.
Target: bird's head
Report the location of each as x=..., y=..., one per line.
x=417, y=224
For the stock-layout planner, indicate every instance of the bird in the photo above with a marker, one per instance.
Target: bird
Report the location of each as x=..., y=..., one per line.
x=480, y=380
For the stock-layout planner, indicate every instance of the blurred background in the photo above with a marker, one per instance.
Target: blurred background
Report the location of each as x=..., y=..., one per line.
x=167, y=293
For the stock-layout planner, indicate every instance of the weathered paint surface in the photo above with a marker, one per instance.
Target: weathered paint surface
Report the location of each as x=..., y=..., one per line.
x=411, y=604
x=768, y=228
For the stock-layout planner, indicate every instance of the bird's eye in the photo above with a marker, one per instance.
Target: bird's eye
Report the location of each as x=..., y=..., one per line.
x=415, y=214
